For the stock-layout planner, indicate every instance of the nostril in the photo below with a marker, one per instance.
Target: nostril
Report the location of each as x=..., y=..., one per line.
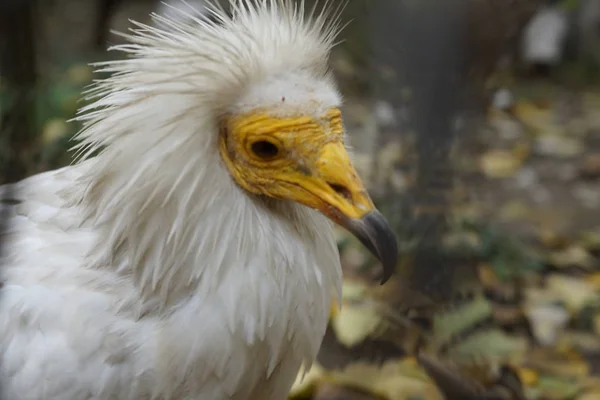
x=341, y=190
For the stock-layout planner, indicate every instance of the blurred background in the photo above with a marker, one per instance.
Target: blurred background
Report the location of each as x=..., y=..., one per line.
x=475, y=123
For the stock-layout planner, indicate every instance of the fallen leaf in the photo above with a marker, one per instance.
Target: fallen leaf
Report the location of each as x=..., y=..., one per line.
x=547, y=322
x=329, y=391
x=492, y=345
x=539, y=120
x=574, y=293
x=589, y=395
x=566, y=365
x=594, y=280
x=559, y=145
x=586, y=342
x=572, y=256
x=552, y=239
x=449, y=323
x=530, y=114
x=394, y=380
x=305, y=384
x=357, y=318
x=590, y=240
x=527, y=376
x=500, y=164
x=552, y=388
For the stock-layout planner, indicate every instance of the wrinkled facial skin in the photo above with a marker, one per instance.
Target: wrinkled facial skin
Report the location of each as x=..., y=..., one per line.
x=304, y=159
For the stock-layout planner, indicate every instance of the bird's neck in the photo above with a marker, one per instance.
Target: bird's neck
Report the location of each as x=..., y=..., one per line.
x=177, y=224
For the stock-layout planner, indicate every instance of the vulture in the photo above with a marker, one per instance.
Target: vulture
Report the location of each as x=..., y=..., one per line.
x=188, y=251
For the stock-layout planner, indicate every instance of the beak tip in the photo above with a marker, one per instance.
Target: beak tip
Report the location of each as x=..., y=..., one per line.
x=387, y=274
x=375, y=234
x=389, y=259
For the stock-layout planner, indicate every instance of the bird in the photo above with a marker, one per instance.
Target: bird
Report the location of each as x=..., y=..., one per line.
x=188, y=251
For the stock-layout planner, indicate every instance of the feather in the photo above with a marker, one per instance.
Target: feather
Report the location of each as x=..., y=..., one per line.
x=145, y=272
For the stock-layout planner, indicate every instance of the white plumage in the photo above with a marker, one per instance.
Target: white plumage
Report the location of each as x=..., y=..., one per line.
x=146, y=272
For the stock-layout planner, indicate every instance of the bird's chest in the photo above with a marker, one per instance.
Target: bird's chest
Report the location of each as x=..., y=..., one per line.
x=243, y=342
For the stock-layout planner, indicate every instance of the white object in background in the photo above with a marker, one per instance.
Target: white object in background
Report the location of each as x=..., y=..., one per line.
x=503, y=99
x=545, y=36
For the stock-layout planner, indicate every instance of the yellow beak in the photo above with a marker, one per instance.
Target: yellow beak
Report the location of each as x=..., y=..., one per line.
x=334, y=188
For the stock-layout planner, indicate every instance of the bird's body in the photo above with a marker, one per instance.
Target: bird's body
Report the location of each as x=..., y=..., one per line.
x=178, y=263
x=90, y=333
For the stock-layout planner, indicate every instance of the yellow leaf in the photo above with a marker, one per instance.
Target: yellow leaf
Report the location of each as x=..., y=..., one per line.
x=305, y=384
x=594, y=280
x=590, y=395
x=527, y=376
x=572, y=255
x=354, y=324
x=394, y=380
x=353, y=290
x=537, y=119
x=574, y=293
x=590, y=240
x=357, y=318
x=499, y=164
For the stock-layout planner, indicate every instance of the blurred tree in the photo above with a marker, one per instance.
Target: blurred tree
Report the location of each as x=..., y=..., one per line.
x=420, y=77
x=18, y=74
x=429, y=72
x=431, y=62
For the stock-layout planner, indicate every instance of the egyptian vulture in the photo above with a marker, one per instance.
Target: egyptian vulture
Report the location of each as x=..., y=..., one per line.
x=188, y=252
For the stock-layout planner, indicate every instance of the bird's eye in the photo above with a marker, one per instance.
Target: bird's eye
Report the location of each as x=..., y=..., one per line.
x=265, y=150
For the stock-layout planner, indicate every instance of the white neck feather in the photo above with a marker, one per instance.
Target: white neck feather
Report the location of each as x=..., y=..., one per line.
x=170, y=215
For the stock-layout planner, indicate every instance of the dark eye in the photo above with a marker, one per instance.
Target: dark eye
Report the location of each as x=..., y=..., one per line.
x=265, y=150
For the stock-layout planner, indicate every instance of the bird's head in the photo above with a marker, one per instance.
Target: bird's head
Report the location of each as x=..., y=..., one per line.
x=258, y=81
x=292, y=147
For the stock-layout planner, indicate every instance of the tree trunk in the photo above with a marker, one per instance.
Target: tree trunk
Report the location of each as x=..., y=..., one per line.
x=18, y=71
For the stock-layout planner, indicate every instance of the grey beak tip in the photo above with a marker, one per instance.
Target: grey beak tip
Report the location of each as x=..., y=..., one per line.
x=375, y=234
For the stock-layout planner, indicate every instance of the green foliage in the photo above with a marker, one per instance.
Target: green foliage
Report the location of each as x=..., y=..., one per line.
x=509, y=256
x=570, y=4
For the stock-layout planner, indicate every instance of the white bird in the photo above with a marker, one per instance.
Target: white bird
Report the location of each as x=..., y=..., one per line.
x=193, y=256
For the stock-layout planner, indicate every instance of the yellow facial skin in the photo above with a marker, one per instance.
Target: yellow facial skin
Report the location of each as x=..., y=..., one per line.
x=301, y=159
